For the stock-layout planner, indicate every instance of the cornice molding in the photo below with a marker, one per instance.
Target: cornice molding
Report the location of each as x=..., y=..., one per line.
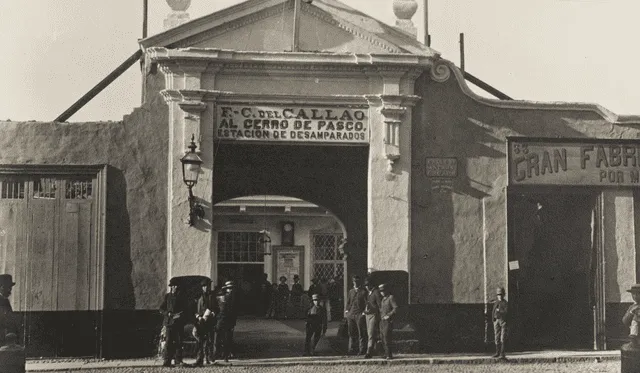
x=215, y=96
x=442, y=69
x=210, y=55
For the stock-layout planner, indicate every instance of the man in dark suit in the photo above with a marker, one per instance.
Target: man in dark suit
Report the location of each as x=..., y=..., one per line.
x=205, y=324
x=316, y=325
x=372, y=316
x=7, y=324
x=226, y=320
x=500, y=315
x=356, y=302
x=172, y=308
x=388, y=309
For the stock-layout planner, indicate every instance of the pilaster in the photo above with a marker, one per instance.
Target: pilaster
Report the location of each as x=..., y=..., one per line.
x=389, y=185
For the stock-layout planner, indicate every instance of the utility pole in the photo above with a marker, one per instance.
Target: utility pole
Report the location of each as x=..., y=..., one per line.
x=427, y=37
x=296, y=26
x=462, y=51
x=145, y=16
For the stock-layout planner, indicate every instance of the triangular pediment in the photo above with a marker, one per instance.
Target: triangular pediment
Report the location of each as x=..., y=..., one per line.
x=267, y=25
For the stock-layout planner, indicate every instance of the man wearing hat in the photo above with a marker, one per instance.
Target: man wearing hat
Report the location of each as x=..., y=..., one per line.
x=205, y=324
x=388, y=309
x=316, y=325
x=296, y=296
x=631, y=318
x=357, y=325
x=499, y=316
x=372, y=316
x=172, y=308
x=6, y=312
x=226, y=320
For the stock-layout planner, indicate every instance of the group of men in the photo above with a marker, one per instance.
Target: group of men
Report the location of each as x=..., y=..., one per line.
x=215, y=320
x=370, y=311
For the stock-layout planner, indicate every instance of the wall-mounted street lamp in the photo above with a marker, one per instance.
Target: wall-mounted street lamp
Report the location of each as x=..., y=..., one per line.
x=191, y=164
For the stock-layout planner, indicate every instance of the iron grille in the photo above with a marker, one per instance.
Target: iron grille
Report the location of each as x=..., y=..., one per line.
x=327, y=271
x=45, y=188
x=325, y=247
x=78, y=189
x=327, y=257
x=12, y=189
x=240, y=247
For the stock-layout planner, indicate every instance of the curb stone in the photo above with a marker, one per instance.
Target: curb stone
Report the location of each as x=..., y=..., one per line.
x=58, y=366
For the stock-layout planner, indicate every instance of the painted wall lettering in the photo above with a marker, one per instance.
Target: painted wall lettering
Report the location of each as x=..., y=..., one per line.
x=574, y=163
x=299, y=124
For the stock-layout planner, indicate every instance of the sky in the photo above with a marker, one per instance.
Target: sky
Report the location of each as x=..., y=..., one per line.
x=54, y=51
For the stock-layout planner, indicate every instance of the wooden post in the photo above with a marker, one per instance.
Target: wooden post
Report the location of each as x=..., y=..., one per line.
x=462, y=51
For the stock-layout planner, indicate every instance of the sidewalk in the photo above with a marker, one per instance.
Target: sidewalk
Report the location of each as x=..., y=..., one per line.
x=260, y=342
x=519, y=358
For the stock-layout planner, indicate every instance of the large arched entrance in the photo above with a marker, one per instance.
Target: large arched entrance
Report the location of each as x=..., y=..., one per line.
x=257, y=240
x=334, y=177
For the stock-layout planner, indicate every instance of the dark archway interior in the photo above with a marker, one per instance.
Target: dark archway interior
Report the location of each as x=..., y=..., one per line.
x=334, y=177
x=551, y=296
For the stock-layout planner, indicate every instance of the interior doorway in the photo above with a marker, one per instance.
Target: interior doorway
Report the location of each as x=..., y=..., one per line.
x=553, y=245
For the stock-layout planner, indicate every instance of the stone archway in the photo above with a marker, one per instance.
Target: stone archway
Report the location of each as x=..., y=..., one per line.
x=328, y=176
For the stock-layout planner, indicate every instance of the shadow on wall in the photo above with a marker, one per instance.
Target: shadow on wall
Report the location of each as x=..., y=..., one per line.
x=118, y=283
x=451, y=124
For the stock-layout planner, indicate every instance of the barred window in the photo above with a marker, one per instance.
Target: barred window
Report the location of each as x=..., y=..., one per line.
x=12, y=189
x=78, y=188
x=327, y=257
x=45, y=188
x=242, y=247
x=325, y=246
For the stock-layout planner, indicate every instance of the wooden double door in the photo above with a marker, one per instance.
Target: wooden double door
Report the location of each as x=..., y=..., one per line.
x=50, y=228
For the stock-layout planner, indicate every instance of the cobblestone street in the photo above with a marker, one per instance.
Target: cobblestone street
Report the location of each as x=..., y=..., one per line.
x=603, y=367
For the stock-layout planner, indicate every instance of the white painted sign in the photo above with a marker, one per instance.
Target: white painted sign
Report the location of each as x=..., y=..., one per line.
x=292, y=124
x=591, y=162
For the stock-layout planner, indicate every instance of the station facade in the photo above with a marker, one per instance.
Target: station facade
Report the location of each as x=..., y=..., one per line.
x=440, y=192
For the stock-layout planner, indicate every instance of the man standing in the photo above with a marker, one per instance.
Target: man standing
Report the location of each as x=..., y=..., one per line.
x=499, y=316
x=283, y=298
x=631, y=318
x=226, y=320
x=265, y=296
x=296, y=296
x=388, y=309
x=6, y=312
x=357, y=325
x=372, y=316
x=205, y=325
x=172, y=308
x=316, y=325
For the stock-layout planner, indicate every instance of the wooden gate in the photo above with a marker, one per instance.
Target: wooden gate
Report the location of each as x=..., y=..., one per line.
x=51, y=227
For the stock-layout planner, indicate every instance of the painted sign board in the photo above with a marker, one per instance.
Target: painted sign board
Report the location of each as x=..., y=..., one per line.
x=292, y=124
x=587, y=163
x=441, y=167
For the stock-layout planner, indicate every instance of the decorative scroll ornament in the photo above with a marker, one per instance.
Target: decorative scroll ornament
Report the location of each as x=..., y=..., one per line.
x=440, y=71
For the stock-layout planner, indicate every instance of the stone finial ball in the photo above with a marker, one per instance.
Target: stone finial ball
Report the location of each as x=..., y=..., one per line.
x=179, y=5
x=404, y=9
